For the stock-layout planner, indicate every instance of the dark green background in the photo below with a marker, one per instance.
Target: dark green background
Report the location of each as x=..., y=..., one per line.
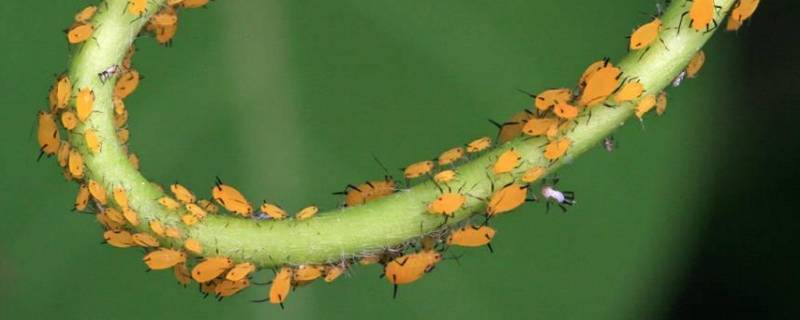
x=692, y=216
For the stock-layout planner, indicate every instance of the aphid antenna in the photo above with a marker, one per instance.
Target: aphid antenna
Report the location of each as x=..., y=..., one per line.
x=527, y=93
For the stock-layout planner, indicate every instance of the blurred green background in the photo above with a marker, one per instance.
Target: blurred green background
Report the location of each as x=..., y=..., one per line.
x=690, y=217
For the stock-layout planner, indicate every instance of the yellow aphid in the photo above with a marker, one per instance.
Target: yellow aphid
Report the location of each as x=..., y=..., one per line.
x=79, y=33
x=695, y=64
x=281, y=285
x=557, y=149
x=227, y=288
x=629, y=91
x=306, y=213
x=240, y=271
x=157, y=227
x=119, y=239
x=189, y=219
x=119, y=106
x=533, y=174
x=189, y=4
x=145, y=240
x=82, y=199
x=479, y=145
x=120, y=119
x=307, y=273
x=418, y=169
x=743, y=10
x=182, y=274
x=591, y=69
x=164, y=259
x=451, y=156
x=333, y=272
x=231, y=199
x=134, y=160
x=193, y=246
x=196, y=211
x=645, y=105
x=565, y=110
x=368, y=191
x=182, y=193
x=539, y=126
x=472, y=236
x=60, y=94
x=209, y=287
x=165, y=18
x=444, y=176
x=208, y=206
x=120, y=196
x=131, y=216
x=273, y=211
x=509, y=198
x=701, y=14
x=169, y=203
x=92, y=140
x=107, y=222
x=48, y=135
x=85, y=14
x=127, y=84
x=63, y=154
x=511, y=129
x=98, y=192
x=115, y=216
x=69, y=120
x=410, y=268
x=645, y=35
x=547, y=99
x=75, y=164
x=599, y=86
x=84, y=103
x=137, y=7
x=447, y=204
x=661, y=103
x=508, y=161
x=211, y=268
x=123, y=135
x=733, y=24
x=172, y=232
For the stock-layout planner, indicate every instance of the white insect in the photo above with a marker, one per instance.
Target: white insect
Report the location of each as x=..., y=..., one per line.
x=561, y=198
x=109, y=72
x=679, y=79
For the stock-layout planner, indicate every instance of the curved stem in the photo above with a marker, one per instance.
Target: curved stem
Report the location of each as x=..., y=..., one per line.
x=345, y=232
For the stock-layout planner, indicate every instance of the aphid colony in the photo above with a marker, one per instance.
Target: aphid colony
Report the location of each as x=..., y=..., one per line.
x=553, y=114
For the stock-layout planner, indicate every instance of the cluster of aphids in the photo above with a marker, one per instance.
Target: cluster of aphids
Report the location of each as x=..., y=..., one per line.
x=555, y=112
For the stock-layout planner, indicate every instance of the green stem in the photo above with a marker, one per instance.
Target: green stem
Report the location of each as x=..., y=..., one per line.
x=346, y=232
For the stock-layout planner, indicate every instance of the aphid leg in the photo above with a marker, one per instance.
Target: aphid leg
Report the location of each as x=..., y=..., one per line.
x=394, y=291
x=489, y=245
x=547, y=207
x=681, y=21
x=563, y=208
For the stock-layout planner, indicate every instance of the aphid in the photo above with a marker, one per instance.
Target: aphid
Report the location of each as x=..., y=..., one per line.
x=599, y=85
x=645, y=105
x=368, y=260
x=368, y=191
x=189, y=219
x=119, y=239
x=84, y=103
x=85, y=14
x=418, y=169
x=444, y=176
x=173, y=3
x=164, y=35
x=506, y=199
x=157, y=227
x=60, y=94
x=561, y=198
x=69, y=120
x=127, y=84
x=120, y=197
x=48, y=135
x=447, y=204
x=733, y=24
x=472, y=236
x=120, y=119
x=92, y=140
x=273, y=211
x=410, y=267
x=306, y=274
x=134, y=160
x=227, y=288
x=169, y=203
x=231, y=199
x=182, y=274
x=193, y=246
x=306, y=213
x=661, y=103
x=557, y=149
x=115, y=216
x=137, y=7
x=172, y=232
x=533, y=174
x=145, y=240
x=547, y=99
x=629, y=91
x=333, y=272
x=479, y=145
x=679, y=79
x=451, y=156
x=209, y=287
x=123, y=135
x=743, y=10
x=645, y=35
x=539, y=126
x=108, y=73
x=281, y=285
x=512, y=128
x=79, y=32
x=127, y=60
x=701, y=14
x=105, y=220
x=98, y=192
x=695, y=64
x=189, y=4
x=208, y=206
x=63, y=154
x=211, y=268
x=609, y=144
x=196, y=211
x=565, y=110
x=240, y=271
x=507, y=162
x=82, y=199
x=75, y=164
x=182, y=193
x=131, y=216
x=164, y=259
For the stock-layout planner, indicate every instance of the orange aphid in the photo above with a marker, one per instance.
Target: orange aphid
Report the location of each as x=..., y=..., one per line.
x=733, y=24
x=69, y=120
x=120, y=196
x=211, y=268
x=701, y=14
x=157, y=227
x=119, y=239
x=548, y=98
x=63, y=154
x=120, y=119
x=368, y=191
x=127, y=84
x=47, y=134
x=532, y=174
x=196, y=211
x=599, y=85
x=557, y=149
x=123, y=135
x=509, y=130
x=82, y=199
x=92, y=140
x=444, y=176
x=451, y=156
x=231, y=199
x=189, y=219
x=169, y=203
x=182, y=193
x=75, y=164
x=227, y=288
x=98, y=192
x=695, y=64
x=115, y=216
x=368, y=260
x=418, y=169
x=134, y=160
x=508, y=161
x=565, y=110
x=306, y=273
x=645, y=105
x=164, y=35
x=137, y=7
x=182, y=274
x=509, y=198
x=447, y=204
x=164, y=258
x=240, y=271
x=591, y=69
x=85, y=14
x=193, y=246
x=119, y=106
x=472, y=236
x=79, y=33
x=172, y=232
x=193, y=3
x=743, y=10
x=209, y=287
x=661, y=103
x=60, y=94
x=333, y=272
x=208, y=206
x=107, y=223
x=165, y=18
x=629, y=91
x=273, y=211
x=281, y=285
x=645, y=34
x=306, y=213
x=539, y=126
x=145, y=240
x=479, y=145
x=131, y=216
x=173, y=3
x=410, y=267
